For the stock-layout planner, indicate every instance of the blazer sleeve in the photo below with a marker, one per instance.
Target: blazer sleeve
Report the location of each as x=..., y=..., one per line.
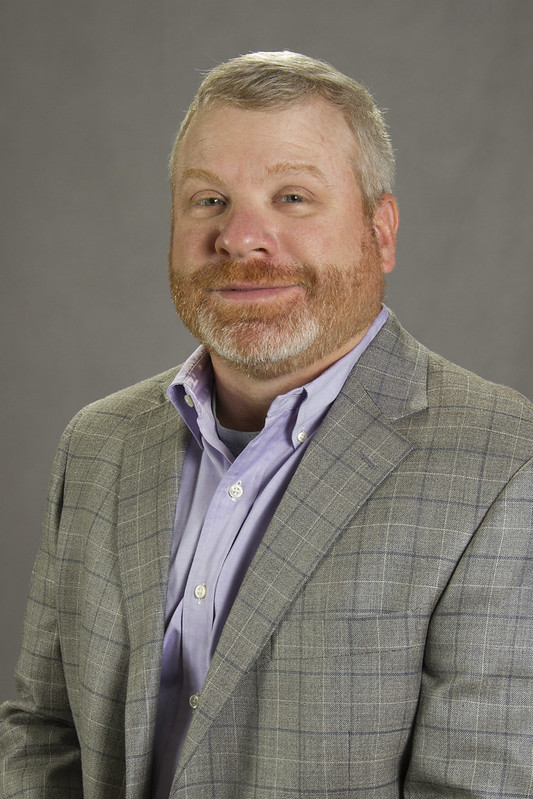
x=474, y=731
x=39, y=751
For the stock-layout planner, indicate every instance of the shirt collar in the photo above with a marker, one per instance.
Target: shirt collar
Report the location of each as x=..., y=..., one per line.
x=191, y=391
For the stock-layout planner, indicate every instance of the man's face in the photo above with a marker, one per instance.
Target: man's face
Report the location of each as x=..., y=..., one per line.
x=273, y=264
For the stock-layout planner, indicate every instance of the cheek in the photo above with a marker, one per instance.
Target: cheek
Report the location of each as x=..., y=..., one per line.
x=311, y=241
x=349, y=244
x=189, y=244
x=335, y=239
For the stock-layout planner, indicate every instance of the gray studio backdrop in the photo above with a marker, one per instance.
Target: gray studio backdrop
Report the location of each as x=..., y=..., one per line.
x=93, y=93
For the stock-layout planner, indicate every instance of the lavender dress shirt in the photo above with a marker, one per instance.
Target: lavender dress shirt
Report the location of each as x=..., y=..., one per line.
x=224, y=506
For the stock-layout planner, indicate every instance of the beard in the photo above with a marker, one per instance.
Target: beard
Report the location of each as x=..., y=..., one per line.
x=278, y=337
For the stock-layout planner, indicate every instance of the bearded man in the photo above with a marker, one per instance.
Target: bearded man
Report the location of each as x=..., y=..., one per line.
x=300, y=565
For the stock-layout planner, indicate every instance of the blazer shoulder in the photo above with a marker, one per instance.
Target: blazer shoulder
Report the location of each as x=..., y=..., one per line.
x=448, y=380
x=439, y=404
x=470, y=401
x=125, y=405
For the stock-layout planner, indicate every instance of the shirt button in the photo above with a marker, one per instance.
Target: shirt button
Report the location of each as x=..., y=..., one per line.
x=200, y=591
x=189, y=400
x=193, y=701
x=302, y=436
x=236, y=490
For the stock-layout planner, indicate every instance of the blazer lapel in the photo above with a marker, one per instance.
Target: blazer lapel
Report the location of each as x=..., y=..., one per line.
x=354, y=450
x=153, y=458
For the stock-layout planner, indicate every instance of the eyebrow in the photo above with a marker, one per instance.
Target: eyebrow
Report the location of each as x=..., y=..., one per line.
x=283, y=168
x=199, y=174
x=290, y=168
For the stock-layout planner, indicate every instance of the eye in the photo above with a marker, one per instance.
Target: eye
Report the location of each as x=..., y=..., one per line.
x=204, y=205
x=210, y=202
x=292, y=198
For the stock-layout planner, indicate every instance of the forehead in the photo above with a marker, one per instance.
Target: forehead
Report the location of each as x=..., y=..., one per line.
x=314, y=132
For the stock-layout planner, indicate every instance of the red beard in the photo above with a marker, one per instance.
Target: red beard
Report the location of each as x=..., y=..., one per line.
x=268, y=339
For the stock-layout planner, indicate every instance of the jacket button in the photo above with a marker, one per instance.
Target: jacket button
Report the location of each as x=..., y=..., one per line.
x=193, y=701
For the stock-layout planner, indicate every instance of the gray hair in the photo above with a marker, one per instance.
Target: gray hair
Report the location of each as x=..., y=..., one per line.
x=275, y=80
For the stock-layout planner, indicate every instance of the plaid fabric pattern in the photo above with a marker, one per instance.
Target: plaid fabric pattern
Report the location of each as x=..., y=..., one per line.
x=381, y=644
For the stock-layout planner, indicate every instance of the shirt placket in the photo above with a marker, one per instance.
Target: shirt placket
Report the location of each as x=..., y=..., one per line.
x=227, y=511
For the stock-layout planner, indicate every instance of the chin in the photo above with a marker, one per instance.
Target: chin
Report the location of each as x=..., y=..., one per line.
x=262, y=359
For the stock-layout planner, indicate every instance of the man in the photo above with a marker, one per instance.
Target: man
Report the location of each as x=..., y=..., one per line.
x=306, y=570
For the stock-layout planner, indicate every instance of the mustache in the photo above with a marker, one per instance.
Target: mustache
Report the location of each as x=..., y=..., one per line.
x=226, y=272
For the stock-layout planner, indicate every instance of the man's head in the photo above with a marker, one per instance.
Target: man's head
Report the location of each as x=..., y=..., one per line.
x=277, y=80
x=278, y=254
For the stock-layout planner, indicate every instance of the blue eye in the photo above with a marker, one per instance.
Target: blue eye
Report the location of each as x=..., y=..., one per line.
x=292, y=198
x=210, y=201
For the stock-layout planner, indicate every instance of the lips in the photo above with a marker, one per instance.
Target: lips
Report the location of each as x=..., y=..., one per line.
x=244, y=285
x=255, y=292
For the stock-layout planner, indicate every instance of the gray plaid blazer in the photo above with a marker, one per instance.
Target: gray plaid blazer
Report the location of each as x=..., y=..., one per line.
x=381, y=644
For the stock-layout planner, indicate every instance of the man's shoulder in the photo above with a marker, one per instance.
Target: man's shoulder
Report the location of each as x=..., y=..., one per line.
x=457, y=378
x=473, y=409
x=409, y=378
x=481, y=415
x=452, y=386
x=125, y=405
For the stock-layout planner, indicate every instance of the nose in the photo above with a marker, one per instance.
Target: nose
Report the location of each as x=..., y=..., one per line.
x=245, y=233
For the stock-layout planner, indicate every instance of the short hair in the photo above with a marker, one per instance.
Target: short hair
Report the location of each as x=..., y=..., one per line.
x=275, y=80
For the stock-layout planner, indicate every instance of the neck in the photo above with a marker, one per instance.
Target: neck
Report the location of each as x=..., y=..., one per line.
x=243, y=400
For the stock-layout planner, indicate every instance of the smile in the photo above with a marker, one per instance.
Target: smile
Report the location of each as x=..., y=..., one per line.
x=255, y=293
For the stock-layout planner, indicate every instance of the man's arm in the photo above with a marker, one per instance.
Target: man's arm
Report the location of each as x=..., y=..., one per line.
x=474, y=730
x=39, y=751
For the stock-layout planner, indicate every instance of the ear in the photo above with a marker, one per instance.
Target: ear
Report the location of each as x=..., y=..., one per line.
x=385, y=223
